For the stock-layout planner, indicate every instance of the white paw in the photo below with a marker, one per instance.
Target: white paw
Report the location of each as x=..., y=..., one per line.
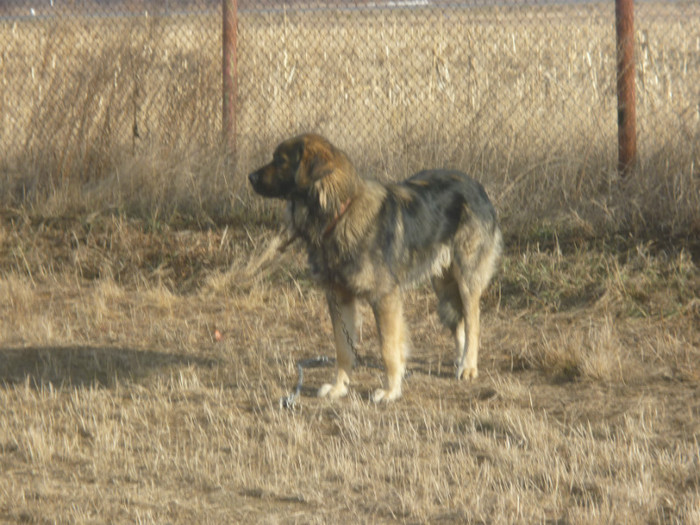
x=467, y=373
x=333, y=391
x=385, y=395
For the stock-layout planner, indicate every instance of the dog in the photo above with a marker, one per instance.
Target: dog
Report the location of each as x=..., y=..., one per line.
x=368, y=240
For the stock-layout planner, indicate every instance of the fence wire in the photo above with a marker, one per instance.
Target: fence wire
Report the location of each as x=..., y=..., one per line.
x=399, y=84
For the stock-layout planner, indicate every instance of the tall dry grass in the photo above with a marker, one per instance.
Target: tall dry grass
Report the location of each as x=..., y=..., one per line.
x=125, y=114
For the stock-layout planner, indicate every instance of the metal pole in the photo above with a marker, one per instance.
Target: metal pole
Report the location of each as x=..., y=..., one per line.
x=626, y=112
x=230, y=72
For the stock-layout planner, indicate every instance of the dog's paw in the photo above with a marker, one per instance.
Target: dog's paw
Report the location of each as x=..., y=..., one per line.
x=381, y=395
x=467, y=373
x=333, y=391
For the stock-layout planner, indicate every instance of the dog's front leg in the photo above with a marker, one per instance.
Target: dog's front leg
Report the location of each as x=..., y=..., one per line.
x=388, y=312
x=343, y=309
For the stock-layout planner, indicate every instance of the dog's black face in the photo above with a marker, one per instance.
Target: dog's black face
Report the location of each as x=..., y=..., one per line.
x=278, y=178
x=296, y=164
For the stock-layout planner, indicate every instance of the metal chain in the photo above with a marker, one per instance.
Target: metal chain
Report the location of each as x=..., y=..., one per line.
x=333, y=302
x=351, y=343
x=315, y=362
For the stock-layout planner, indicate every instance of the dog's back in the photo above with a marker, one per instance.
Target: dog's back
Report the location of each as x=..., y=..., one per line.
x=431, y=218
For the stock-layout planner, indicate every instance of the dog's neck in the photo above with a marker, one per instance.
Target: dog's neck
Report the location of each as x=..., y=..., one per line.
x=334, y=221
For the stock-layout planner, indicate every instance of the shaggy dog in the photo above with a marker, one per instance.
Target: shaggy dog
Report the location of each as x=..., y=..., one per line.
x=368, y=240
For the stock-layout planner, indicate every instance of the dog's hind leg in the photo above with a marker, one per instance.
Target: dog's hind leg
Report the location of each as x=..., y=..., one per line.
x=467, y=362
x=451, y=311
x=388, y=312
x=473, y=270
x=343, y=309
x=470, y=288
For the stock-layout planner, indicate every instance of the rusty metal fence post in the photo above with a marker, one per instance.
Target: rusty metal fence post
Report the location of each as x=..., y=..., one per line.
x=402, y=83
x=626, y=111
x=230, y=73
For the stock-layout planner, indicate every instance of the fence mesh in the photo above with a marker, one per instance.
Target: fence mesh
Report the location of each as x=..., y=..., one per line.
x=399, y=84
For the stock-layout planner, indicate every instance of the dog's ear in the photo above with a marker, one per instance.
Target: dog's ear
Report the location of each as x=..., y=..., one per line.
x=316, y=161
x=295, y=153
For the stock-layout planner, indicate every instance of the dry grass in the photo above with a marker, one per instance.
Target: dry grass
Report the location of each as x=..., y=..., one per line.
x=121, y=258
x=522, y=99
x=120, y=405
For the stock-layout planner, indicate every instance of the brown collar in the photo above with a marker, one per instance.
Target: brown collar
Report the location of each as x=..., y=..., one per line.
x=333, y=222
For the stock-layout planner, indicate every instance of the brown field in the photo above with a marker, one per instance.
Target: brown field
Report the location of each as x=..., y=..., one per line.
x=119, y=404
x=121, y=258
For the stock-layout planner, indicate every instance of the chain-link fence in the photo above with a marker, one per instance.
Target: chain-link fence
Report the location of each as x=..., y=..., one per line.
x=398, y=84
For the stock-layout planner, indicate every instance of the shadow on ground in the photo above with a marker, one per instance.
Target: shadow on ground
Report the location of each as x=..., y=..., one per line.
x=85, y=365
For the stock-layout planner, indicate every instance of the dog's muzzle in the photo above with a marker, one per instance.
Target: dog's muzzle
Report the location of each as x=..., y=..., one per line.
x=254, y=178
x=257, y=184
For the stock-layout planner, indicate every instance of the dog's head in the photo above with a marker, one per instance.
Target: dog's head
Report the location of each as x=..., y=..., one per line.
x=298, y=169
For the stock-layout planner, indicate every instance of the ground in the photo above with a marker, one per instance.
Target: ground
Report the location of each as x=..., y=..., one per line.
x=121, y=403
